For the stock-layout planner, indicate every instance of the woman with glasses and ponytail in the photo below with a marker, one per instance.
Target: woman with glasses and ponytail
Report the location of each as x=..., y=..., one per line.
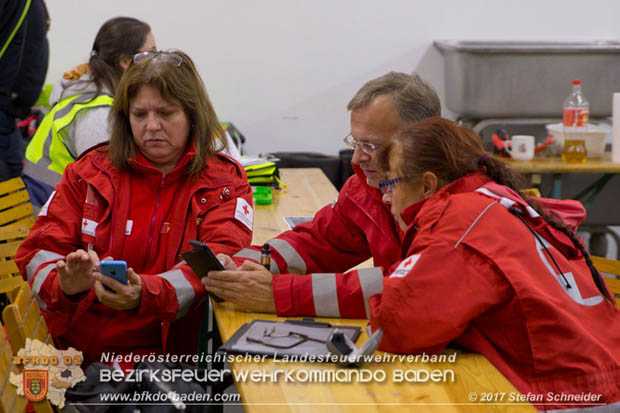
x=80, y=103
x=494, y=272
x=159, y=183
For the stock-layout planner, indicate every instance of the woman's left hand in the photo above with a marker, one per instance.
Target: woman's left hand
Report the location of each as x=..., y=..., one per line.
x=124, y=296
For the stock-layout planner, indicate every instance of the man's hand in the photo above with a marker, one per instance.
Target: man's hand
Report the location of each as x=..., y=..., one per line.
x=249, y=288
x=124, y=297
x=75, y=273
x=227, y=262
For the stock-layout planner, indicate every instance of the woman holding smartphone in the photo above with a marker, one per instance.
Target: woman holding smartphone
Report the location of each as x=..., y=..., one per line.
x=159, y=183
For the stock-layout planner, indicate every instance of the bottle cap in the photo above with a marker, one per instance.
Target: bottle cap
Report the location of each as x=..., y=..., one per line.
x=577, y=82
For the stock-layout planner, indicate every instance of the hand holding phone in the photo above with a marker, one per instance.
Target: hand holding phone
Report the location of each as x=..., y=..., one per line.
x=202, y=260
x=116, y=270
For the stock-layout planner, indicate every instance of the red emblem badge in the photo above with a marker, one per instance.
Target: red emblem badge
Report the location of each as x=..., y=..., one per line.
x=35, y=384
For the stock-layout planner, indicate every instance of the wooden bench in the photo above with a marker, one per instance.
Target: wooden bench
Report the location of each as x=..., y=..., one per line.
x=11, y=236
x=15, y=206
x=23, y=320
x=9, y=400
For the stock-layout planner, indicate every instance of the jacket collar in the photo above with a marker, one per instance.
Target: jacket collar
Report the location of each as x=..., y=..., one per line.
x=468, y=183
x=143, y=166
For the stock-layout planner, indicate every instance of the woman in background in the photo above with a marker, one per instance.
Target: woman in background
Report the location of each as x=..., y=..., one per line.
x=158, y=184
x=81, y=103
x=485, y=268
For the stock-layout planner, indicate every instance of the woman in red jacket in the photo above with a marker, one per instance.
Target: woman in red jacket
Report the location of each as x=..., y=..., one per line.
x=158, y=184
x=489, y=270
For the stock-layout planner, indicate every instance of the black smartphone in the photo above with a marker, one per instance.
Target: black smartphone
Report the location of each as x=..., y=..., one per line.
x=202, y=260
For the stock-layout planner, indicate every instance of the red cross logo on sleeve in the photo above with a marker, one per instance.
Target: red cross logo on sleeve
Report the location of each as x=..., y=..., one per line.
x=245, y=210
x=85, y=224
x=408, y=262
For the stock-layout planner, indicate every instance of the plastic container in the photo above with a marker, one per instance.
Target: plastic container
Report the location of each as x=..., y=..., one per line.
x=576, y=108
x=593, y=135
x=262, y=195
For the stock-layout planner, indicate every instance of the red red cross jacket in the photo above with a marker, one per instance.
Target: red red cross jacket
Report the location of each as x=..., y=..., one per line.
x=356, y=227
x=146, y=219
x=474, y=274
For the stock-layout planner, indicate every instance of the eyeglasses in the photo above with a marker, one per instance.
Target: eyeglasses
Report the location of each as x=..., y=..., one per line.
x=284, y=341
x=172, y=58
x=367, y=148
x=386, y=186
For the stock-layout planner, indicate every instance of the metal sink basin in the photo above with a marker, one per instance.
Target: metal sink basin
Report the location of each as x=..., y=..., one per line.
x=495, y=79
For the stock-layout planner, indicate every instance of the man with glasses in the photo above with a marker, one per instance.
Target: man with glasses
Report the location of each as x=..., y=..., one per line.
x=356, y=227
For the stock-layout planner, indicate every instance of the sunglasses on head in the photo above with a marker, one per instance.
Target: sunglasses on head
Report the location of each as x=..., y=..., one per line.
x=172, y=58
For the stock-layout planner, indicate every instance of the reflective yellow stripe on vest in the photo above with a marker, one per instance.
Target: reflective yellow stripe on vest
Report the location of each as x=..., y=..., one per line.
x=47, y=156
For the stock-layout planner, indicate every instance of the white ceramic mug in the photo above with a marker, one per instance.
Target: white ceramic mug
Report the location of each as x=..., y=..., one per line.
x=522, y=147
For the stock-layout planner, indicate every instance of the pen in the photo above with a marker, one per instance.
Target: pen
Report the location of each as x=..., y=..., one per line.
x=265, y=257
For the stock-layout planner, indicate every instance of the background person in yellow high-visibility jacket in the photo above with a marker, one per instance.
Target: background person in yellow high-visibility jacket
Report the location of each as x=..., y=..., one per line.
x=81, y=103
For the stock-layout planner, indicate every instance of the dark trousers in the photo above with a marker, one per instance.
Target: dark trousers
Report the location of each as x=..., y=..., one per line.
x=23, y=67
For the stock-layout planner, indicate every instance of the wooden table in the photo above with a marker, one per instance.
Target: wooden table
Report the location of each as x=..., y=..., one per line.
x=557, y=168
x=308, y=190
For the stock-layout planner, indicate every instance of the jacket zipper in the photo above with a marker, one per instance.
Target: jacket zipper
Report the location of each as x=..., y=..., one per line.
x=152, y=226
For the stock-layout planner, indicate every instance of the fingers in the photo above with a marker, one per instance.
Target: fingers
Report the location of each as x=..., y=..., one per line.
x=133, y=278
x=225, y=276
x=108, y=282
x=252, y=266
x=227, y=262
x=250, y=290
x=61, y=266
x=94, y=258
x=224, y=293
x=123, y=297
x=102, y=294
x=77, y=257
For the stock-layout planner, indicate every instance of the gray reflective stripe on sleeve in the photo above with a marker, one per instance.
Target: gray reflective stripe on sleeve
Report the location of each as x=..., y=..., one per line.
x=248, y=253
x=183, y=289
x=273, y=267
x=325, y=295
x=295, y=264
x=255, y=255
x=38, y=283
x=39, y=258
x=371, y=281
